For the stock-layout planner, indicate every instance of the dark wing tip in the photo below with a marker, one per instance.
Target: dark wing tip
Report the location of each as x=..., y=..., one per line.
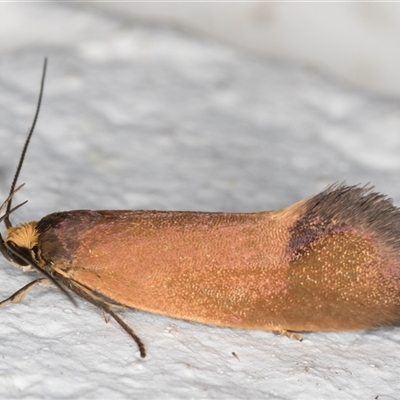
x=342, y=207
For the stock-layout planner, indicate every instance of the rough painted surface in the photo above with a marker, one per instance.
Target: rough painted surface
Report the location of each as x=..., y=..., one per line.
x=146, y=117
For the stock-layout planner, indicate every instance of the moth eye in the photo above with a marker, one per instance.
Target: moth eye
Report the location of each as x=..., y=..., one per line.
x=24, y=252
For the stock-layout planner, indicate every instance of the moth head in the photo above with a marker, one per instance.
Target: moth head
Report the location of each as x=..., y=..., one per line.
x=20, y=241
x=24, y=239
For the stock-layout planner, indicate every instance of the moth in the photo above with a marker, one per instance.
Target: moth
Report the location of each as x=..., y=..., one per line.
x=330, y=262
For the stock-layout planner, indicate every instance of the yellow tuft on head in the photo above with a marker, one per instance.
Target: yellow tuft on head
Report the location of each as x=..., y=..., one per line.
x=23, y=235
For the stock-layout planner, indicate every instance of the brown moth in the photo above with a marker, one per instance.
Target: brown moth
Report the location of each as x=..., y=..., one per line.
x=329, y=262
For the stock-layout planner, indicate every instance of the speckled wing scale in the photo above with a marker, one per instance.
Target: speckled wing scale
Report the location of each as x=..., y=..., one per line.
x=330, y=262
x=345, y=252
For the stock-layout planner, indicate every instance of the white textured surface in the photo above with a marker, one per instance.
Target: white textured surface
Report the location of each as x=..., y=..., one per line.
x=139, y=117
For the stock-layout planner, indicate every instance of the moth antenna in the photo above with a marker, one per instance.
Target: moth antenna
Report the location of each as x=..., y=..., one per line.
x=3, y=249
x=7, y=200
x=6, y=215
x=7, y=221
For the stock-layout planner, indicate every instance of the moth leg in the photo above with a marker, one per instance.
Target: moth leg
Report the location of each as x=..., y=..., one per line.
x=106, y=316
x=21, y=293
x=129, y=331
x=290, y=334
x=107, y=308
